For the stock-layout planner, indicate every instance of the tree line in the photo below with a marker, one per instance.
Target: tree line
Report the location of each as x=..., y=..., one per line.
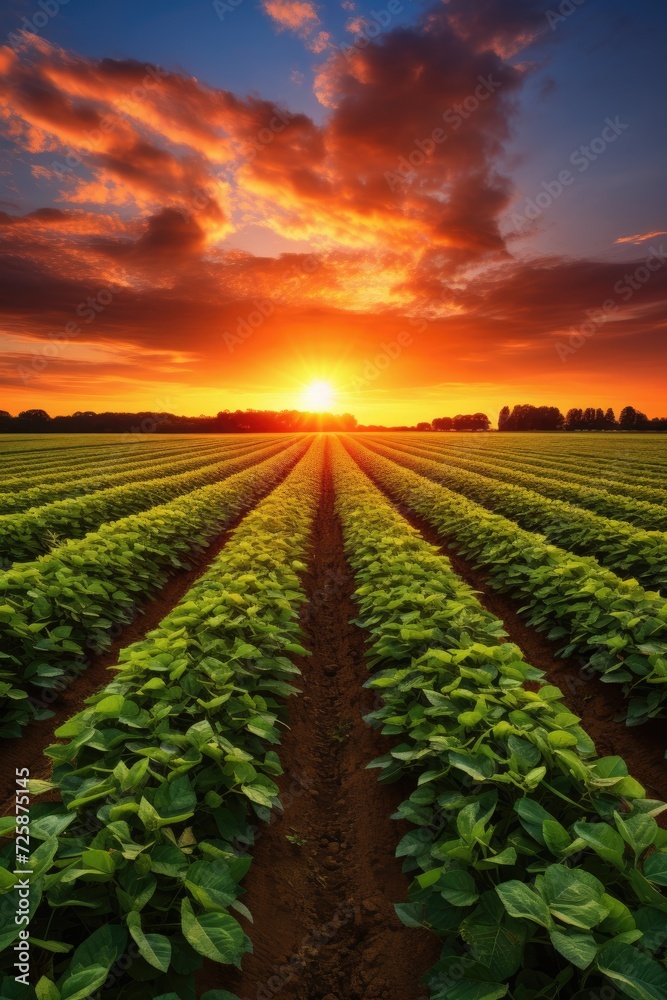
x=523, y=417
x=225, y=422
x=526, y=417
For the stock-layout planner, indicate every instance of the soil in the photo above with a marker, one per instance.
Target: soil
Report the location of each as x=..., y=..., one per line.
x=322, y=900
x=600, y=706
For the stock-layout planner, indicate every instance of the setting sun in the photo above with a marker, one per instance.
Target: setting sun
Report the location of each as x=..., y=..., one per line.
x=319, y=396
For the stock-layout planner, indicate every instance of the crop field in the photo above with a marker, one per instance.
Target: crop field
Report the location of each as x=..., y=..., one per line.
x=374, y=716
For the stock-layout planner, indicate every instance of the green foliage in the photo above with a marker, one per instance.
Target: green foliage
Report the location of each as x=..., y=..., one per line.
x=617, y=626
x=56, y=608
x=530, y=857
x=166, y=774
x=625, y=548
x=642, y=505
x=30, y=533
x=22, y=493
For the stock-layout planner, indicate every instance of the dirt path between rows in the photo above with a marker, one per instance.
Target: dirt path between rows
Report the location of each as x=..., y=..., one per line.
x=599, y=705
x=322, y=900
x=28, y=749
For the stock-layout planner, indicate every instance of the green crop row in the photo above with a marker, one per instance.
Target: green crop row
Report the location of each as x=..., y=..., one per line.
x=165, y=775
x=631, y=451
x=538, y=865
x=59, y=608
x=21, y=472
x=29, y=533
x=604, y=475
x=78, y=484
x=651, y=516
x=617, y=626
x=628, y=550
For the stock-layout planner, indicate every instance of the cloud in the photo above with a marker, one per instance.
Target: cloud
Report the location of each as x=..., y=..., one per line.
x=398, y=190
x=293, y=14
x=504, y=26
x=640, y=237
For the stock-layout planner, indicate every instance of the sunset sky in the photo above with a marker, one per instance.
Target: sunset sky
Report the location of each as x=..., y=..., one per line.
x=435, y=208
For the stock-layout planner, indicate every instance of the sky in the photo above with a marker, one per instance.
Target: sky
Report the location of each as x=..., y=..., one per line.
x=434, y=208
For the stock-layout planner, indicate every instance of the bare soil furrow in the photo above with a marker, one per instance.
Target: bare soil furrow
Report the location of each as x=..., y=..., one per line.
x=324, y=878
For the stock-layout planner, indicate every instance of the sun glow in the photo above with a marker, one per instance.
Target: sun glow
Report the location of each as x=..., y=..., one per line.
x=318, y=397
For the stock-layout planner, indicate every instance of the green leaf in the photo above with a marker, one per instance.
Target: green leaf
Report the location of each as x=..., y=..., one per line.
x=604, y=840
x=479, y=768
x=154, y=948
x=638, y=976
x=577, y=947
x=410, y=914
x=214, y=935
x=522, y=902
x=46, y=989
x=106, y=944
x=211, y=884
x=83, y=982
x=574, y=896
x=496, y=939
x=638, y=831
x=57, y=947
x=458, y=888
x=655, y=868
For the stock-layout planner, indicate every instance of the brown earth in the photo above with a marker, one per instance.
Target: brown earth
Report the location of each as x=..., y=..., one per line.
x=322, y=900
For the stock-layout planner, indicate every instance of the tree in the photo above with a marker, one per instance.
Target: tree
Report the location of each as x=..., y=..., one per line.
x=589, y=418
x=526, y=417
x=503, y=418
x=574, y=419
x=480, y=422
x=610, y=418
x=471, y=422
x=34, y=415
x=628, y=418
x=442, y=424
x=423, y=425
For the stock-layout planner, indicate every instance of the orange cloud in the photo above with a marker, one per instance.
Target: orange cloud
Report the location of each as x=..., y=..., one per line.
x=293, y=14
x=398, y=193
x=640, y=237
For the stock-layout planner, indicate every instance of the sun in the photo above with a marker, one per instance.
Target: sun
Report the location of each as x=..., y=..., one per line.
x=319, y=396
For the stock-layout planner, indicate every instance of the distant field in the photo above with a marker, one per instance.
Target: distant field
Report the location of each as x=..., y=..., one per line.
x=481, y=616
